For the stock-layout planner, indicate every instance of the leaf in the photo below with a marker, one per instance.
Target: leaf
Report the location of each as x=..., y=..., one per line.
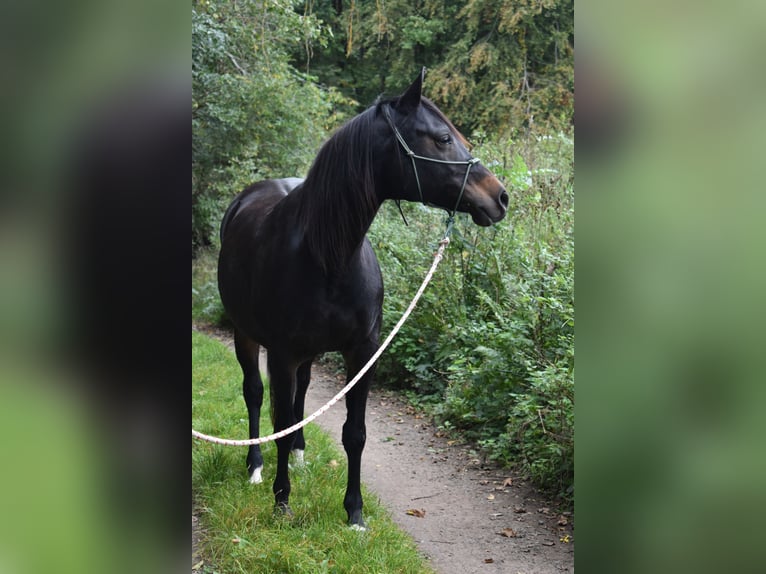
x=508, y=482
x=420, y=513
x=562, y=521
x=508, y=533
x=491, y=497
x=489, y=560
x=198, y=565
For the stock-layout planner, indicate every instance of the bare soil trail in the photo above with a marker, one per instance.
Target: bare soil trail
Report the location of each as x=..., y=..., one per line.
x=465, y=515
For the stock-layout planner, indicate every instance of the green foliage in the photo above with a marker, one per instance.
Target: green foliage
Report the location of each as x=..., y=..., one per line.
x=500, y=65
x=206, y=301
x=491, y=344
x=253, y=115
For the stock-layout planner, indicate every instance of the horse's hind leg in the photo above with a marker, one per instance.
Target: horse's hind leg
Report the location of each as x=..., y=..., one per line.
x=252, y=389
x=281, y=386
x=303, y=378
x=355, y=431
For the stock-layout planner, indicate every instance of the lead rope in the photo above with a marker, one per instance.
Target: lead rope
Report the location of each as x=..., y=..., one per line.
x=299, y=425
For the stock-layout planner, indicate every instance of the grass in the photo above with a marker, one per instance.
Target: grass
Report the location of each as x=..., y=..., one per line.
x=241, y=531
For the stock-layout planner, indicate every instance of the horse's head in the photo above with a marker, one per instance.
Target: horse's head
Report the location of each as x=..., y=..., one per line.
x=439, y=169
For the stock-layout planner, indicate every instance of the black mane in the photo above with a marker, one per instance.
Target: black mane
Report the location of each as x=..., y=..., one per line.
x=339, y=197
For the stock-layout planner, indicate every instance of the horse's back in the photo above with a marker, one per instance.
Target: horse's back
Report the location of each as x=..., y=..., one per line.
x=258, y=200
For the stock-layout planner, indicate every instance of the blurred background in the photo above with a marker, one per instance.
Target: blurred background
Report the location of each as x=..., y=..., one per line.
x=669, y=424
x=93, y=248
x=670, y=466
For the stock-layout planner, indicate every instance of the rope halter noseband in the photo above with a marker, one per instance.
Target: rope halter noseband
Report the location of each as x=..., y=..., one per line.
x=469, y=163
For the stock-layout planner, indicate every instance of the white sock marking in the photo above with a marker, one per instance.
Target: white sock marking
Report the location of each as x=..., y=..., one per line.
x=298, y=458
x=256, y=477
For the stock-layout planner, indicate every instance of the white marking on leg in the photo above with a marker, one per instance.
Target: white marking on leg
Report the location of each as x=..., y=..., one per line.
x=298, y=461
x=256, y=477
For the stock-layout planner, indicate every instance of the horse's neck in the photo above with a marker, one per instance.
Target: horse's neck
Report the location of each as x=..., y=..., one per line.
x=333, y=231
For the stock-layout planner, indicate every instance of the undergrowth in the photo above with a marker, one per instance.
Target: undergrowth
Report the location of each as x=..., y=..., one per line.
x=490, y=349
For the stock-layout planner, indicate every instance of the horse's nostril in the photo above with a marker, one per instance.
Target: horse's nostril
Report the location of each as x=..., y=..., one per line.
x=504, y=200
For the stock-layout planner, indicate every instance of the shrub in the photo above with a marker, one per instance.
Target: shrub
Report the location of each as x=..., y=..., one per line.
x=491, y=345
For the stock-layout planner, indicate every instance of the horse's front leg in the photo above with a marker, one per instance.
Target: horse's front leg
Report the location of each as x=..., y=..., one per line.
x=282, y=384
x=355, y=431
x=247, y=352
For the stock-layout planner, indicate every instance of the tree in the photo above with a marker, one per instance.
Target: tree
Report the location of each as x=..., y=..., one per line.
x=495, y=65
x=253, y=114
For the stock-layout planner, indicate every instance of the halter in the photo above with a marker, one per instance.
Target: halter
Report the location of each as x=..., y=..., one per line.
x=469, y=163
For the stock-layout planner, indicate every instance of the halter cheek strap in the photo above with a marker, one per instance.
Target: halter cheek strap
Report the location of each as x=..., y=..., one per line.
x=469, y=163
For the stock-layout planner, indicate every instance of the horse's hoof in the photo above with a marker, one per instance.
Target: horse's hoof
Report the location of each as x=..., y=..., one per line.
x=283, y=509
x=355, y=522
x=255, y=476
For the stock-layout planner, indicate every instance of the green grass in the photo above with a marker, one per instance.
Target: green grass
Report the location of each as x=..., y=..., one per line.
x=242, y=533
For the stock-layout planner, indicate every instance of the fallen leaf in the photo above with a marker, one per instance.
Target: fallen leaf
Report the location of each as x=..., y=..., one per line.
x=544, y=510
x=508, y=533
x=491, y=497
x=235, y=540
x=489, y=560
x=198, y=565
x=333, y=463
x=565, y=539
x=483, y=482
x=562, y=521
x=508, y=482
x=420, y=513
x=520, y=510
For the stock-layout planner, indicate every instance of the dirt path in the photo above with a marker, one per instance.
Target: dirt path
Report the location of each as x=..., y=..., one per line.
x=477, y=518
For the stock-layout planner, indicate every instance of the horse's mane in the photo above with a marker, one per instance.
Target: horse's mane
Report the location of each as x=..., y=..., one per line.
x=339, y=199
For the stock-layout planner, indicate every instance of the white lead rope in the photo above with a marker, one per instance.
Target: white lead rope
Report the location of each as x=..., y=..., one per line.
x=283, y=433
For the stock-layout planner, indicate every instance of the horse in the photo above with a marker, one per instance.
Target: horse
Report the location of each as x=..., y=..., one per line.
x=297, y=275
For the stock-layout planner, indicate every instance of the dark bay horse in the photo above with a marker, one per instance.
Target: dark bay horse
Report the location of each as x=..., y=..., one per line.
x=297, y=275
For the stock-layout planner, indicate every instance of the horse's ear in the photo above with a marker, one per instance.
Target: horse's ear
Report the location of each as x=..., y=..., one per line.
x=410, y=99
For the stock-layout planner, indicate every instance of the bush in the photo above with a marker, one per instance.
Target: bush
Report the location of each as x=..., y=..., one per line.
x=491, y=345
x=206, y=301
x=254, y=115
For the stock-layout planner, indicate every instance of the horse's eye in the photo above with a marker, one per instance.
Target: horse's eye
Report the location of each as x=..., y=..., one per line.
x=444, y=140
